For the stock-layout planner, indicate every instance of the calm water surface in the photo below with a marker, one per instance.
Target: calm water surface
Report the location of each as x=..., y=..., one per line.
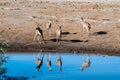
x=100, y=67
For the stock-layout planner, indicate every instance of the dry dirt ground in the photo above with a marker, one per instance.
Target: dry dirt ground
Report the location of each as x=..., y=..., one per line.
x=18, y=22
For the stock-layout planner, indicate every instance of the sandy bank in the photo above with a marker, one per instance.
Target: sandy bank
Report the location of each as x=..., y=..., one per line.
x=18, y=22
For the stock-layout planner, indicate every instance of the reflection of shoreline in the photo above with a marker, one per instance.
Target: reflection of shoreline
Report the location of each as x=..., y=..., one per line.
x=64, y=49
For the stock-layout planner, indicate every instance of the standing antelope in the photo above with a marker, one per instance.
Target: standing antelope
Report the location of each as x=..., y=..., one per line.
x=39, y=33
x=85, y=24
x=48, y=26
x=86, y=63
x=59, y=34
x=49, y=63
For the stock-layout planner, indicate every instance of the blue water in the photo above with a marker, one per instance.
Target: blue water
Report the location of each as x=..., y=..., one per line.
x=101, y=68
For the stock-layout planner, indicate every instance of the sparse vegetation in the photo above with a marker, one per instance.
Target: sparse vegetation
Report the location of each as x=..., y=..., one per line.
x=3, y=47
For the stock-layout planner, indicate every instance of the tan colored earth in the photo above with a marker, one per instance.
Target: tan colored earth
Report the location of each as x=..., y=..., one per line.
x=18, y=21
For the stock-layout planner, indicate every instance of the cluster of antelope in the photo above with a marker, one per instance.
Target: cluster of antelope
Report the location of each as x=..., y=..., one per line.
x=39, y=31
x=39, y=62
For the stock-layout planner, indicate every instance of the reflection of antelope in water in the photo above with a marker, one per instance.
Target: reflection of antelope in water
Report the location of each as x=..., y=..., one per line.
x=39, y=61
x=59, y=62
x=86, y=63
x=49, y=62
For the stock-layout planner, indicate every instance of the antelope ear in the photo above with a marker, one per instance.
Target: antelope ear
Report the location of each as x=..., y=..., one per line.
x=37, y=25
x=82, y=18
x=36, y=22
x=40, y=24
x=60, y=26
x=50, y=19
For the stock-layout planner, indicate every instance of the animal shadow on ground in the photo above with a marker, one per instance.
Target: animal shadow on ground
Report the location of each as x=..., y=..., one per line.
x=79, y=41
x=55, y=40
x=75, y=41
x=66, y=33
x=101, y=33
